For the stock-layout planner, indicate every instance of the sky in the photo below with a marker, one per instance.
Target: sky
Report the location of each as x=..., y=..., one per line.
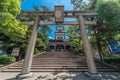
x=28, y=5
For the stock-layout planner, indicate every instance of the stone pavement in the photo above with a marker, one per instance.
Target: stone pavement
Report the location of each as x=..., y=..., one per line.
x=48, y=76
x=62, y=76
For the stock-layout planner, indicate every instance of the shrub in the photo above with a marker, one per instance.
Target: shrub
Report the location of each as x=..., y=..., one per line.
x=36, y=51
x=112, y=60
x=5, y=59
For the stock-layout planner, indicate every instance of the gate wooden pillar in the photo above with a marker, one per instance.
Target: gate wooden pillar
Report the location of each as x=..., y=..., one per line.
x=87, y=47
x=29, y=53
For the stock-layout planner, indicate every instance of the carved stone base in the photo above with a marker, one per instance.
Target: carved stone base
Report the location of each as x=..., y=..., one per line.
x=24, y=76
x=94, y=76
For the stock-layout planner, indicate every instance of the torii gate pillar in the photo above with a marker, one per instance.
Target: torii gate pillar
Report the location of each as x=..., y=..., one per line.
x=30, y=50
x=87, y=47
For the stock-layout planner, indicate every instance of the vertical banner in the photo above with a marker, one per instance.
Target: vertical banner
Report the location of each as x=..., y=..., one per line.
x=59, y=14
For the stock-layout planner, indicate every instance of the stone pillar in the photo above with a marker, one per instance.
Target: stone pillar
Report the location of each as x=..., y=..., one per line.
x=29, y=53
x=87, y=47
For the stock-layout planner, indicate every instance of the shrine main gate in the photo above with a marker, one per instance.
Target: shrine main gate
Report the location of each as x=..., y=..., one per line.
x=59, y=14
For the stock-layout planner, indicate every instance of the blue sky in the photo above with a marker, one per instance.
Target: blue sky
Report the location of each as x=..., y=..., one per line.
x=28, y=5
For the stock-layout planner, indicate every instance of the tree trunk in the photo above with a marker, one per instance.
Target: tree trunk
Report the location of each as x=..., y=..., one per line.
x=99, y=46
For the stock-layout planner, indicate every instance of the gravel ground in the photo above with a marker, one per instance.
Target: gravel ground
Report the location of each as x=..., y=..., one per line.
x=48, y=76
x=61, y=76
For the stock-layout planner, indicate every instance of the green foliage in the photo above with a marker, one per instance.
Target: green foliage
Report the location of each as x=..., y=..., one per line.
x=42, y=40
x=100, y=2
x=117, y=37
x=108, y=27
x=77, y=44
x=112, y=60
x=109, y=13
x=41, y=44
x=79, y=4
x=4, y=59
x=92, y=39
x=92, y=4
x=11, y=6
x=72, y=31
x=44, y=30
x=40, y=8
x=83, y=4
x=9, y=25
x=76, y=41
x=108, y=20
x=36, y=51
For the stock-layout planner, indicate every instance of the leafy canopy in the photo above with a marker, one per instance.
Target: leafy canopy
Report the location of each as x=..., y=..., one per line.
x=100, y=2
x=9, y=25
x=72, y=31
x=109, y=14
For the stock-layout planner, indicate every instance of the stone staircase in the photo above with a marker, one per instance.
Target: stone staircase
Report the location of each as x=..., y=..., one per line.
x=58, y=62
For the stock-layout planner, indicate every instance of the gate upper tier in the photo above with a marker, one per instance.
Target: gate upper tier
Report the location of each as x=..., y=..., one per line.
x=67, y=14
x=59, y=14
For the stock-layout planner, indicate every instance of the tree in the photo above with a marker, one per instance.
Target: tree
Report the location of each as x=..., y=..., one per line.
x=100, y=2
x=11, y=29
x=108, y=20
x=80, y=4
x=73, y=33
x=9, y=25
x=84, y=4
x=109, y=14
x=43, y=40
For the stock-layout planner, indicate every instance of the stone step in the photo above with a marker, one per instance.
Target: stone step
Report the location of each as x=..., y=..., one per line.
x=71, y=59
x=47, y=70
x=66, y=60
x=63, y=66
x=60, y=62
x=36, y=60
x=58, y=67
x=52, y=65
x=50, y=62
x=59, y=70
x=56, y=57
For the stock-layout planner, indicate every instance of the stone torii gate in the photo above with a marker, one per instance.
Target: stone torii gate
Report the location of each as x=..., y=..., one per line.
x=59, y=14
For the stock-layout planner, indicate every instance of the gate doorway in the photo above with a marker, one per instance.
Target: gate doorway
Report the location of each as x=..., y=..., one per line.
x=60, y=47
x=51, y=47
x=68, y=48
